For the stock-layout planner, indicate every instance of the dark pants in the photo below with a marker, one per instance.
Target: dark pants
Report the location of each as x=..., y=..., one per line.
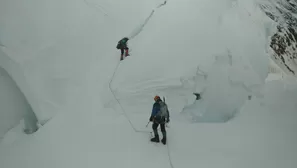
x=163, y=130
x=123, y=49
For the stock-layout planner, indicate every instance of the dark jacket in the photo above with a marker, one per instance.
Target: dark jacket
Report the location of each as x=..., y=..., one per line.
x=156, y=108
x=122, y=44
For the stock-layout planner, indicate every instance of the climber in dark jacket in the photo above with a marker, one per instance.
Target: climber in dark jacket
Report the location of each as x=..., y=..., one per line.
x=122, y=45
x=156, y=119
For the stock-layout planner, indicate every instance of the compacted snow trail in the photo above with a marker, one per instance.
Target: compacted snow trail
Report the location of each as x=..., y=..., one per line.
x=134, y=128
x=146, y=132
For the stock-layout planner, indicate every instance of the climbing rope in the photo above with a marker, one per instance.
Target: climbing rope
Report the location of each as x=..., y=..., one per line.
x=124, y=112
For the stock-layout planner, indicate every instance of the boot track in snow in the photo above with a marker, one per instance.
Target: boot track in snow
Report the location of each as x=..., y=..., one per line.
x=123, y=110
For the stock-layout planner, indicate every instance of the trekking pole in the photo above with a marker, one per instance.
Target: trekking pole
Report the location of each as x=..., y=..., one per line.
x=147, y=124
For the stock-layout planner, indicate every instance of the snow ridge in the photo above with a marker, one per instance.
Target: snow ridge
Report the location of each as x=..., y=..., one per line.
x=96, y=6
x=139, y=29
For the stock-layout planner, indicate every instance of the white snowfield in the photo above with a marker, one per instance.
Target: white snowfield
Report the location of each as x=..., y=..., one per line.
x=94, y=108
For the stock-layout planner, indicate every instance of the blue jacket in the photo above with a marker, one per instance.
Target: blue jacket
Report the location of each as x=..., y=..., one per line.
x=156, y=108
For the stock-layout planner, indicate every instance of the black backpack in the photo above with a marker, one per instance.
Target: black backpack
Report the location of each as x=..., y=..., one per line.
x=119, y=45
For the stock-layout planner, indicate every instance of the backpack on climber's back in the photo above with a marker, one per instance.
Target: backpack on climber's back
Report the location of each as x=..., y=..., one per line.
x=163, y=114
x=119, y=45
x=122, y=43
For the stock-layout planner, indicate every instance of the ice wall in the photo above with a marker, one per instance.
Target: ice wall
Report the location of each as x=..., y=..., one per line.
x=240, y=71
x=221, y=98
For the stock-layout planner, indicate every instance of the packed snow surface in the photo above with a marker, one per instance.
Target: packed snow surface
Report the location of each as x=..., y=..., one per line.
x=94, y=108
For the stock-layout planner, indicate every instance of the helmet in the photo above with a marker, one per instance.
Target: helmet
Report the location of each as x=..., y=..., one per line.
x=156, y=98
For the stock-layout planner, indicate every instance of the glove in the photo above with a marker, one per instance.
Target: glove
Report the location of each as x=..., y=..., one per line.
x=167, y=120
x=151, y=118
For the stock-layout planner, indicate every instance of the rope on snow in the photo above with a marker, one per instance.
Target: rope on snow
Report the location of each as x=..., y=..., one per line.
x=130, y=122
x=123, y=110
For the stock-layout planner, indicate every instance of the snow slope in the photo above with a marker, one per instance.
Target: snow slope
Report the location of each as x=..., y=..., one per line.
x=54, y=47
x=71, y=72
x=239, y=64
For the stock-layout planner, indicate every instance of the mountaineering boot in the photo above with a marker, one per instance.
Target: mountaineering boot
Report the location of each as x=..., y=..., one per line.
x=164, y=138
x=122, y=57
x=155, y=139
x=127, y=53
